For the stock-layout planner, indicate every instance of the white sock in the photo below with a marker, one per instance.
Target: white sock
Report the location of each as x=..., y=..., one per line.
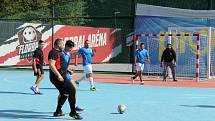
x=81, y=79
x=91, y=82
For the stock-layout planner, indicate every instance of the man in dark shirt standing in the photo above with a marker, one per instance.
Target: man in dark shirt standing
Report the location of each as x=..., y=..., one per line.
x=58, y=71
x=38, y=67
x=168, y=59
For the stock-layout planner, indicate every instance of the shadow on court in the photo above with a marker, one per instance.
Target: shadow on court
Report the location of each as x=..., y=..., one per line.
x=19, y=114
x=199, y=106
x=21, y=93
x=115, y=113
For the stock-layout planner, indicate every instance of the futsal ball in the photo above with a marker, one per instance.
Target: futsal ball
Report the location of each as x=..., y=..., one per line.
x=121, y=108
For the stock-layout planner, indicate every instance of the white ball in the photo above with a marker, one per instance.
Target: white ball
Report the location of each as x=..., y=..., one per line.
x=121, y=108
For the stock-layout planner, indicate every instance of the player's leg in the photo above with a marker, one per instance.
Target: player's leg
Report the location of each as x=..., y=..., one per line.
x=74, y=85
x=172, y=67
x=140, y=73
x=61, y=98
x=70, y=90
x=40, y=77
x=90, y=79
x=88, y=70
x=138, y=68
x=81, y=79
x=165, y=67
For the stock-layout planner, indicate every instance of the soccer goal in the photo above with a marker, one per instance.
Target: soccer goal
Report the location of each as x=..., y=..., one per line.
x=186, y=51
x=194, y=46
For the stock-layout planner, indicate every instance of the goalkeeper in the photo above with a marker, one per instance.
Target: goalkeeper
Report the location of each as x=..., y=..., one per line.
x=168, y=59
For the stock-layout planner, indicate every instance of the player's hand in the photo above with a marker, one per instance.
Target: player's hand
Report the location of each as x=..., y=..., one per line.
x=94, y=51
x=174, y=64
x=148, y=60
x=161, y=64
x=70, y=70
x=60, y=78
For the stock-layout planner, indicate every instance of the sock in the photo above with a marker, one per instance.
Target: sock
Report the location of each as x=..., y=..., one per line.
x=81, y=79
x=91, y=82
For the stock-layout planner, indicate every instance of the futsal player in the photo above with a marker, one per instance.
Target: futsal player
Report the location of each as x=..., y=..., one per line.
x=58, y=71
x=168, y=59
x=66, y=52
x=87, y=53
x=38, y=67
x=140, y=56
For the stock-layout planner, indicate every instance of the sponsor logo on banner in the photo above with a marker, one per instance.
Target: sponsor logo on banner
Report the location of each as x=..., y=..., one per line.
x=20, y=47
x=28, y=40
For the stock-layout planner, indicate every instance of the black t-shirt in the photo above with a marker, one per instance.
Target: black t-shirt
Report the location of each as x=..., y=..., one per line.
x=38, y=56
x=168, y=55
x=60, y=62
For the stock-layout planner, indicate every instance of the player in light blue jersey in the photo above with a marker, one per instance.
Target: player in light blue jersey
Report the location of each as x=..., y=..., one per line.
x=141, y=56
x=87, y=53
x=68, y=77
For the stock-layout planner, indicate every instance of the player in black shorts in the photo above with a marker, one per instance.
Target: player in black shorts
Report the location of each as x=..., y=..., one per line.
x=38, y=67
x=58, y=71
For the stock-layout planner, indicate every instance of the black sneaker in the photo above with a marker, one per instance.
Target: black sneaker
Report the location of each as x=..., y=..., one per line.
x=57, y=114
x=75, y=116
x=78, y=109
x=77, y=83
x=92, y=89
x=175, y=80
x=132, y=80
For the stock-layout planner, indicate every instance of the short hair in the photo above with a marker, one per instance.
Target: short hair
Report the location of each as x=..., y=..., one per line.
x=86, y=41
x=142, y=43
x=169, y=44
x=40, y=42
x=69, y=43
x=57, y=42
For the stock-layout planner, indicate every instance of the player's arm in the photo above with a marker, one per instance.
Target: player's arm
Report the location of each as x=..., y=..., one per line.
x=93, y=52
x=77, y=55
x=34, y=61
x=34, y=65
x=76, y=59
x=135, y=58
x=162, y=57
x=174, y=57
x=147, y=54
x=70, y=69
x=54, y=69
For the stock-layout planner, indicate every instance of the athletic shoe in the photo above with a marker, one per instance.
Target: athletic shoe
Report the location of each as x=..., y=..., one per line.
x=77, y=83
x=78, y=109
x=175, y=80
x=75, y=116
x=38, y=91
x=92, y=89
x=142, y=82
x=57, y=114
x=164, y=80
x=34, y=89
x=132, y=79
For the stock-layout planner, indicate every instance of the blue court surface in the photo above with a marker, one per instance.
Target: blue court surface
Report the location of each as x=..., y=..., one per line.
x=144, y=103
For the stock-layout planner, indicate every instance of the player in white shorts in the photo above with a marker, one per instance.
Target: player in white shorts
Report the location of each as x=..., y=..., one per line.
x=140, y=56
x=87, y=53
